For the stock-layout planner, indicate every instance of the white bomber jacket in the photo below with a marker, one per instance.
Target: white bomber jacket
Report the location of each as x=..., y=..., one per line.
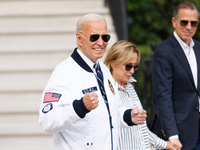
x=62, y=112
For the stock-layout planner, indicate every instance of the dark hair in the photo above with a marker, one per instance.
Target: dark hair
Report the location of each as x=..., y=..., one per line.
x=185, y=5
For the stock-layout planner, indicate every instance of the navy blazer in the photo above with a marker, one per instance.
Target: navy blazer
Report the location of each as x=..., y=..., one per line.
x=175, y=97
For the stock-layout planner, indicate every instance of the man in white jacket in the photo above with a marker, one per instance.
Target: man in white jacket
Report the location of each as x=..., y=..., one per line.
x=79, y=114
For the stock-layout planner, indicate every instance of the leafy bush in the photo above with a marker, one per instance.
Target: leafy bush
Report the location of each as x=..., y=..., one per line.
x=150, y=20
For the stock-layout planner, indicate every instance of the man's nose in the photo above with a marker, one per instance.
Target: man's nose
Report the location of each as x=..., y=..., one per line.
x=189, y=25
x=100, y=41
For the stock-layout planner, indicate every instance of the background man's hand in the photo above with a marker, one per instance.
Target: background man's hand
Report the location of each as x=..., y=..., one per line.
x=90, y=100
x=169, y=146
x=138, y=116
x=175, y=143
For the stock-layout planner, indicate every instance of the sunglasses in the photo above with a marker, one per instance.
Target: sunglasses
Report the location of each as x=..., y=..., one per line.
x=184, y=23
x=95, y=37
x=128, y=67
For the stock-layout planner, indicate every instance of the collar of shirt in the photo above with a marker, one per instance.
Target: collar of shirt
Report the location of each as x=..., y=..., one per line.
x=186, y=50
x=184, y=46
x=87, y=60
x=131, y=80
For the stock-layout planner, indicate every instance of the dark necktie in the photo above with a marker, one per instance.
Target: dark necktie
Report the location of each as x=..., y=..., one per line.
x=103, y=92
x=100, y=81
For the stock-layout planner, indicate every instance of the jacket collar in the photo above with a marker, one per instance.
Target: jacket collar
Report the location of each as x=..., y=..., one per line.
x=197, y=54
x=79, y=60
x=179, y=53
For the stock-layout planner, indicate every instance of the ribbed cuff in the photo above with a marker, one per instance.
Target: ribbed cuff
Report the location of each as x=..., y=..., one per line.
x=127, y=117
x=80, y=108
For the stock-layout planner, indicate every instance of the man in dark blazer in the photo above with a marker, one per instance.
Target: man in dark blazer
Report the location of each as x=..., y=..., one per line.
x=176, y=82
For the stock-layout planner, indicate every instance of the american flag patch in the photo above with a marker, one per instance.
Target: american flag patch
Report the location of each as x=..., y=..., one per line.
x=51, y=97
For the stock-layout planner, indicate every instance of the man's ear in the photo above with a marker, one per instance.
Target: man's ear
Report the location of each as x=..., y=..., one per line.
x=79, y=38
x=174, y=22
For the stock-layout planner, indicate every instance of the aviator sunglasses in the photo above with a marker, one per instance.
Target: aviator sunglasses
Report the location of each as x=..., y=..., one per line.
x=128, y=67
x=95, y=37
x=184, y=23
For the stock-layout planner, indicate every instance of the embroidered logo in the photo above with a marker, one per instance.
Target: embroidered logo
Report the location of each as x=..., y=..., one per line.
x=89, y=90
x=51, y=97
x=47, y=108
x=111, y=87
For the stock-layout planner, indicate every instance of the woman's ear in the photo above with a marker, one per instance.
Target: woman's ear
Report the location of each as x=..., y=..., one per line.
x=112, y=64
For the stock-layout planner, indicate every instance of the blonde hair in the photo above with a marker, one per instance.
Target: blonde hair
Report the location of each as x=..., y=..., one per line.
x=121, y=52
x=87, y=18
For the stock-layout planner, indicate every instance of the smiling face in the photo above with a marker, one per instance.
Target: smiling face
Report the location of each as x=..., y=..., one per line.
x=119, y=72
x=185, y=32
x=92, y=50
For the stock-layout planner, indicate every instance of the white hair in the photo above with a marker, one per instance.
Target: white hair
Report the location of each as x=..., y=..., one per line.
x=87, y=18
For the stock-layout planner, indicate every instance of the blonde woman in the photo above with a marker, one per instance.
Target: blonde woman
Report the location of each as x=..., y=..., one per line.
x=123, y=60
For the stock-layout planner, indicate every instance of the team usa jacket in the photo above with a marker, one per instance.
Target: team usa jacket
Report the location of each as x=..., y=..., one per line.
x=62, y=112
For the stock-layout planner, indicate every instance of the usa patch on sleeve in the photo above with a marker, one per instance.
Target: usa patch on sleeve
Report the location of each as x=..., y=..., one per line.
x=47, y=108
x=51, y=97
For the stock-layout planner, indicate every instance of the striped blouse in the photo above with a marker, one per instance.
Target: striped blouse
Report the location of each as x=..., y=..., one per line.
x=137, y=137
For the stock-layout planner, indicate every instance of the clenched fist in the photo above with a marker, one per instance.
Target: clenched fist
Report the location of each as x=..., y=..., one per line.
x=138, y=116
x=90, y=100
x=175, y=143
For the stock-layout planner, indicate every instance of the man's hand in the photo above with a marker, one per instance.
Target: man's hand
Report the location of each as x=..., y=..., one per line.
x=175, y=143
x=90, y=100
x=169, y=146
x=138, y=116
